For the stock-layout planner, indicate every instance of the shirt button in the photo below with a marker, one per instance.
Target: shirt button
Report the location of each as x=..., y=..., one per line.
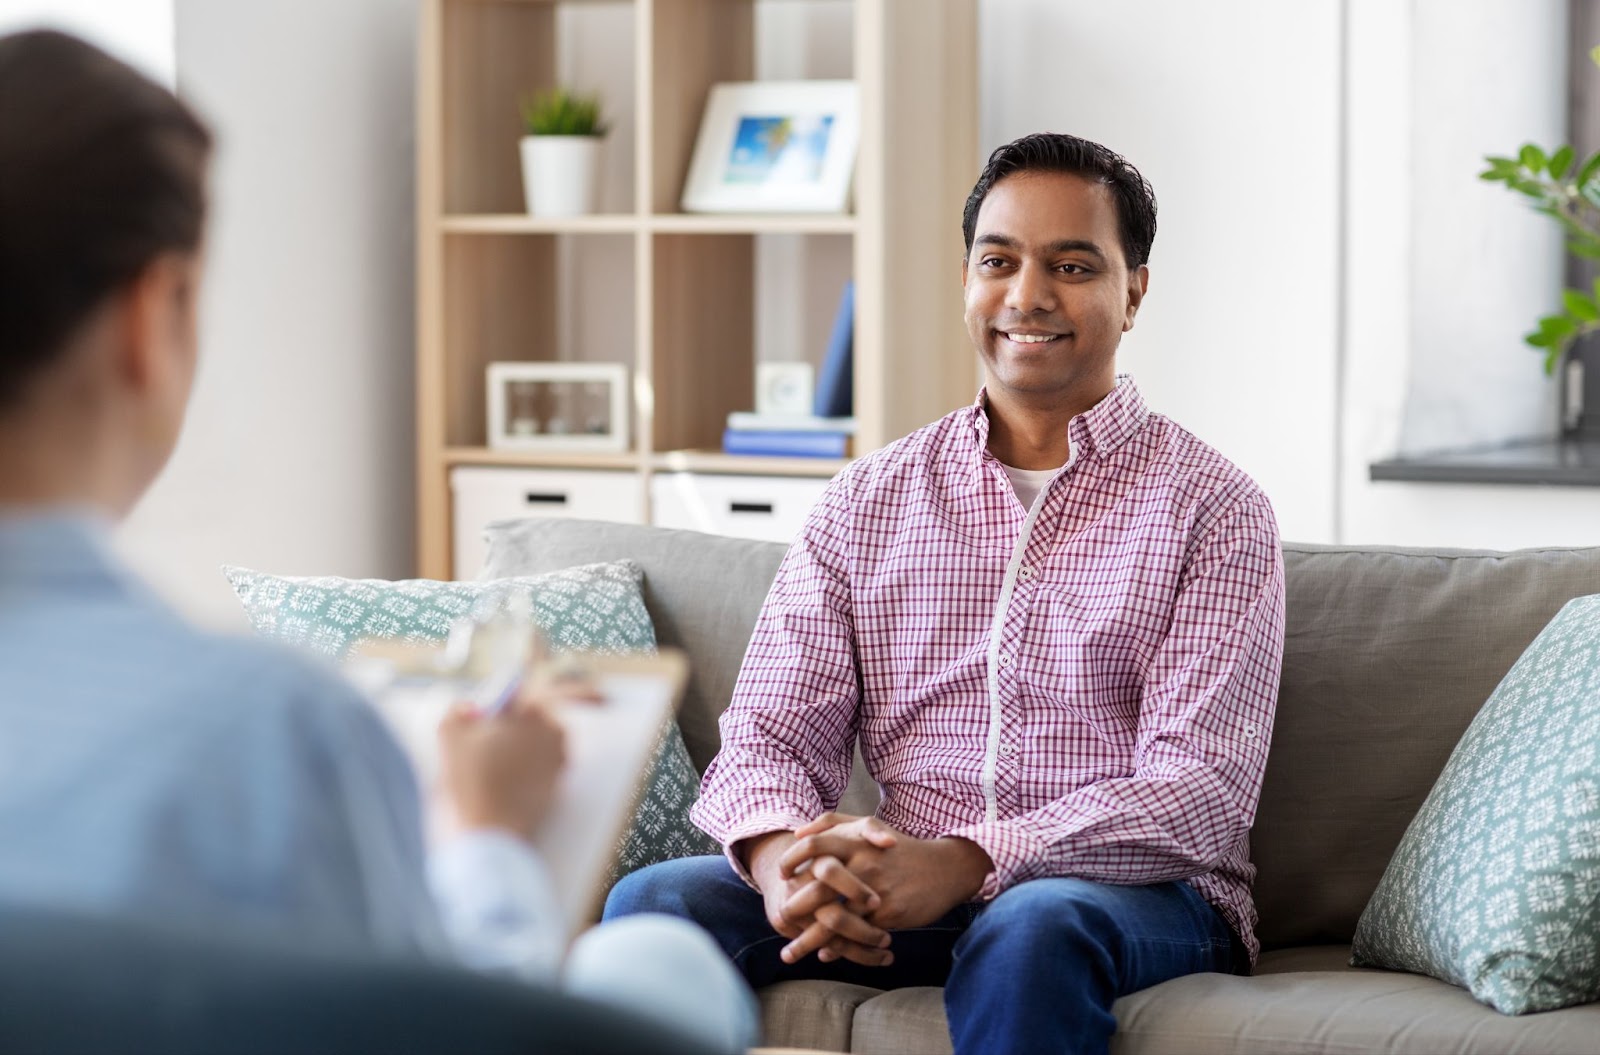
x=1007, y=750
x=1250, y=732
x=1004, y=659
x=1025, y=573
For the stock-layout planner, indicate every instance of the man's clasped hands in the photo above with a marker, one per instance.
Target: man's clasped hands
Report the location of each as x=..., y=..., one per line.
x=838, y=885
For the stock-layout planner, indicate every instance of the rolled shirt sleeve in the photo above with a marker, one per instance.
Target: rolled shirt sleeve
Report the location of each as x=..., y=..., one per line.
x=788, y=732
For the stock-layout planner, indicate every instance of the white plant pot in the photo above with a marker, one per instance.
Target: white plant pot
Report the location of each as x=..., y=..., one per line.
x=560, y=173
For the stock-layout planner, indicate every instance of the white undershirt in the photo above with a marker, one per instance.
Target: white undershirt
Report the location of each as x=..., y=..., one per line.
x=1028, y=482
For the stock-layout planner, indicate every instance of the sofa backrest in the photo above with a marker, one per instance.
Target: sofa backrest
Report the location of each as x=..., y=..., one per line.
x=1388, y=654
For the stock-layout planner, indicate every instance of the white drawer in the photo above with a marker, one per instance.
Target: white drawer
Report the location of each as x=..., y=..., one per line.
x=760, y=507
x=480, y=495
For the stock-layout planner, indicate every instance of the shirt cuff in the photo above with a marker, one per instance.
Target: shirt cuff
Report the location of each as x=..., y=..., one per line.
x=749, y=829
x=1016, y=855
x=497, y=904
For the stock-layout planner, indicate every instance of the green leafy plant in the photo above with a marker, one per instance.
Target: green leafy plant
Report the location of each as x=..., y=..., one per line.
x=559, y=112
x=1568, y=193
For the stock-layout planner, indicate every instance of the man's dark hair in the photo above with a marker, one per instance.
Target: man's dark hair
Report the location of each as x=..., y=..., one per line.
x=101, y=171
x=1055, y=152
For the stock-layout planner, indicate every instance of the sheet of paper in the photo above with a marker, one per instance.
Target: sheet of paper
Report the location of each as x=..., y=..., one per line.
x=608, y=746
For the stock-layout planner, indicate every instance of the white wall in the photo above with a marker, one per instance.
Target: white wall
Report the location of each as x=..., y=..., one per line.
x=298, y=454
x=1230, y=109
x=1486, y=77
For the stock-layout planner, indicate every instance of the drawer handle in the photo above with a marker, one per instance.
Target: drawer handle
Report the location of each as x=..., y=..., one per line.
x=545, y=498
x=750, y=507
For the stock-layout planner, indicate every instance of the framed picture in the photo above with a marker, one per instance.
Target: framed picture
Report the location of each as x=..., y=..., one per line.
x=775, y=146
x=558, y=406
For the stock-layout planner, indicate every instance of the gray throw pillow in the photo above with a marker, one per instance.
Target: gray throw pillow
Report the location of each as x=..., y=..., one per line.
x=1496, y=884
x=592, y=608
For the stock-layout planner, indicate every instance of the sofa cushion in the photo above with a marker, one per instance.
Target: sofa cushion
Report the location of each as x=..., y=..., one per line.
x=1496, y=884
x=811, y=1015
x=1388, y=654
x=1303, y=1000
x=1325, y=1007
x=593, y=608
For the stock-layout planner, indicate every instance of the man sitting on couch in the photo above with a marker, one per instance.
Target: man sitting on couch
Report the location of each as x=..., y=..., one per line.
x=1054, y=620
x=152, y=770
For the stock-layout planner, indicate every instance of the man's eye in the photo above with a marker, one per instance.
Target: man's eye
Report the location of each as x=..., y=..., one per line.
x=991, y=261
x=1073, y=269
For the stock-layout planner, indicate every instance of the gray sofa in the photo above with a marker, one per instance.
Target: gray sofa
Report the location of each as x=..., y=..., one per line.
x=1388, y=655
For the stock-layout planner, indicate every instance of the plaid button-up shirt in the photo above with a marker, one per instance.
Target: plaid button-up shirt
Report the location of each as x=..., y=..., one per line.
x=1084, y=688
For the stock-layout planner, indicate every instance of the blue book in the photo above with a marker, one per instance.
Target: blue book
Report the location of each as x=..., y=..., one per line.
x=807, y=443
x=835, y=394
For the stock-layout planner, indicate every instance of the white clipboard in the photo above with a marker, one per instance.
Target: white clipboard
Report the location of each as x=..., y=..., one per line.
x=608, y=746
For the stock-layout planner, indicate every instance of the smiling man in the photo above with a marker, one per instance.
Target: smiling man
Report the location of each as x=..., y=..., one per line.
x=1054, y=619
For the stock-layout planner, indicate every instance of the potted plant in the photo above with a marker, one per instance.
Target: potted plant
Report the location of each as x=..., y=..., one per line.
x=1565, y=188
x=563, y=132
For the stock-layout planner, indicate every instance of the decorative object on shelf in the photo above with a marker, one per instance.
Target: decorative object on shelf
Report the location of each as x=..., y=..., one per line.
x=558, y=406
x=563, y=133
x=784, y=388
x=787, y=443
x=836, y=388
x=745, y=421
x=775, y=146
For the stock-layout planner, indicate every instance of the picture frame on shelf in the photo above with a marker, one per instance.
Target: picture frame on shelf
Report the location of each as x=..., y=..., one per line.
x=558, y=407
x=775, y=147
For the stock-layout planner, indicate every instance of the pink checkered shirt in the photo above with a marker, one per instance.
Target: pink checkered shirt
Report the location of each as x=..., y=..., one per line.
x=1085, y=688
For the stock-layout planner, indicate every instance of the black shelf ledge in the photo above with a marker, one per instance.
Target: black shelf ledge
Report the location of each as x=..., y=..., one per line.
x=1556, y=462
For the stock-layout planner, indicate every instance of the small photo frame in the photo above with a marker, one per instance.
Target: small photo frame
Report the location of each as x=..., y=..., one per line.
x=775, y=146
x=558, y=406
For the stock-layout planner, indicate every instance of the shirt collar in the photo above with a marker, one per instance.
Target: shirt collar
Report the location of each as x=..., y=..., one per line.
x=1098, y=431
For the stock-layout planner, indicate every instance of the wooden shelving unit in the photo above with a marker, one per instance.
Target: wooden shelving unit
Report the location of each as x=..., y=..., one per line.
x=487, y=274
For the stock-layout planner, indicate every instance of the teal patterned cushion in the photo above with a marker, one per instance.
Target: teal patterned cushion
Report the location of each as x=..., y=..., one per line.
x=1496, y=884
x=593, y=608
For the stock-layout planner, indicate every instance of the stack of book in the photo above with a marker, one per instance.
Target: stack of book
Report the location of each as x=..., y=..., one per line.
x=828, y=430
x=788, y=435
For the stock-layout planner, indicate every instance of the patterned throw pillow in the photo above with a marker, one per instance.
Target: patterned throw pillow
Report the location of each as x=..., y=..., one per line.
x=593, y=608
x=1496, y=884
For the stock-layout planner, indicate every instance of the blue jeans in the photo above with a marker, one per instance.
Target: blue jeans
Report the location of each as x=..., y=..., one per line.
x=1036, y=969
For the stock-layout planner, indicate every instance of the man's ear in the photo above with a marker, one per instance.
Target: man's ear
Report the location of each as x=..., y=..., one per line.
x=1138, y=285
x=963, y=274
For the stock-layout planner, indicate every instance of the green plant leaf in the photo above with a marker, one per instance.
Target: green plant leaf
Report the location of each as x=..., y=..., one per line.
x=1580, y=306
x=1590, y=167
x=1597, y=290
x=1561, y=326
x=1588, y=250
x=1560, y=162
x=1594, y=54
x=1532, y=158
x=559, y=112
x=1540, y=339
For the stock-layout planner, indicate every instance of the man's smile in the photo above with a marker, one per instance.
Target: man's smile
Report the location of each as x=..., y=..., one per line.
x=1025, y=337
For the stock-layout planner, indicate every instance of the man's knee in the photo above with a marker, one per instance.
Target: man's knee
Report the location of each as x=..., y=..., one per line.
x=673, y=888
x=1051, y=915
